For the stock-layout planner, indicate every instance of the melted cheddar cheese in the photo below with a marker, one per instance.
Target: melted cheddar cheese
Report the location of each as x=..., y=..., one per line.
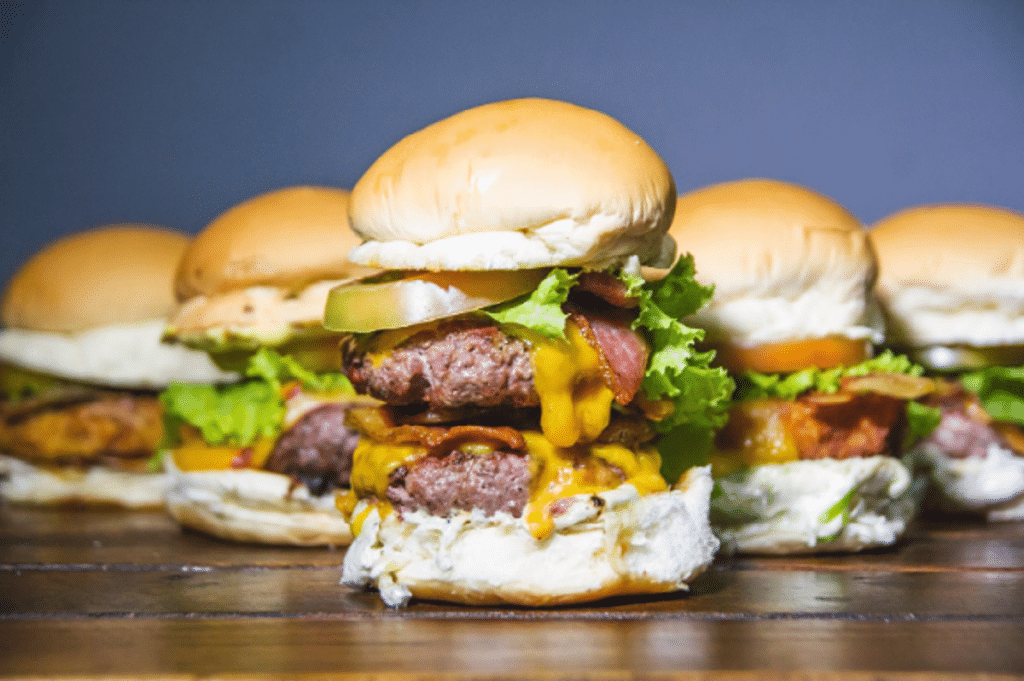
x=557, y=473
x=195, y=454
x=575, y=402
x=756, y=434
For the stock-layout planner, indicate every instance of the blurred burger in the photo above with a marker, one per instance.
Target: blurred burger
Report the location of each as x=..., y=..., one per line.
x=526, y=366
x=81, y=363
x=952, y=284
x=810, y=457
x=261, y=460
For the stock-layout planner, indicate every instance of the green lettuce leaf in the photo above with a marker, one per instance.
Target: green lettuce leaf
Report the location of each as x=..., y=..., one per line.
x=922, y=420
x=540, y=310
x=242, y=413
x=755, y=386
x=1001, y=391
x=676, y=370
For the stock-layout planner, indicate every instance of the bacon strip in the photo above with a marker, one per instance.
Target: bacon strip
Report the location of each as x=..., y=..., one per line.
x=378, y=424
x=606, y=287
x=624, y=352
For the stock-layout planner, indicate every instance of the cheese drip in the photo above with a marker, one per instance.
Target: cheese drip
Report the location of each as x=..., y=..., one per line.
x=756, y=434
x=556, y=473
x=575, y=402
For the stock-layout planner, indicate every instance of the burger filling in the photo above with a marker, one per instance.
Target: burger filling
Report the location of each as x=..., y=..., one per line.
x=49, y=421
x=285, y=420
x=868, y=409
x=519, y=407
x=978, y=410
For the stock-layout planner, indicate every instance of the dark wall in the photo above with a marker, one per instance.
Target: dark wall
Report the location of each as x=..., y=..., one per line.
x=170, y=111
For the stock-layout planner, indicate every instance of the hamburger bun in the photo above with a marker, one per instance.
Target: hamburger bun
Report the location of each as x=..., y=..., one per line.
x=79, y=358
x=788, y=264
x=259, y=274
x=951, y=275
x=512, y=185
x=626, y=544
x=121, y=274
x=253, y=506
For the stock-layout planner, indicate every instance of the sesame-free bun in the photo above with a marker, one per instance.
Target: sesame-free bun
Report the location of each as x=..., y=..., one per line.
x=120, y=274
x=22, y=482
x=952, y=274
x=613, y=543
x=259, y=274
x=513, y=185
x=256, y=506
x=288, y=237
x=787, y=263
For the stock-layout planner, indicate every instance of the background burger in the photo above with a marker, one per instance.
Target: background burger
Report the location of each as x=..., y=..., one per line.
x=952, y=284
x=809, y=460
x=81, y=363
x=261, y=460
x=526, y=366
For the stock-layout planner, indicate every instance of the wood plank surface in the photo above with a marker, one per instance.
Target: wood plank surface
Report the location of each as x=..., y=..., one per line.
x=118, y=647
x=87, y=593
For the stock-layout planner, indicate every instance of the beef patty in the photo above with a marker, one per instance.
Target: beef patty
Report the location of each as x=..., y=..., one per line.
x=317, y=450
x=494, y=482
x=459, y=363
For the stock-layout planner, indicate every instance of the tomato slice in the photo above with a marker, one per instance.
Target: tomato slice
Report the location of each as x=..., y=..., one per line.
x=786, y=357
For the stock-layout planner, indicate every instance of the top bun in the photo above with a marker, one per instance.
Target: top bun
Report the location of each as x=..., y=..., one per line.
x=514, y=185
x=286, y=238
x=119, y=274
x=952, y=274
x=787, y=263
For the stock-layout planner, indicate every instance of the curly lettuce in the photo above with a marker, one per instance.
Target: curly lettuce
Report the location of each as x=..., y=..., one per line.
x=757, y=386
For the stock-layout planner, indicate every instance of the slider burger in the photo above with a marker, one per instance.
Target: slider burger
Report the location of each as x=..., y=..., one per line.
x=951, y=279
x=809, y=459
x=526, y=367
x=262, y=459
x=81, y=363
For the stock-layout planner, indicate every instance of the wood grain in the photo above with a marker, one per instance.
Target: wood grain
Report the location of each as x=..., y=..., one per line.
x=87, y=593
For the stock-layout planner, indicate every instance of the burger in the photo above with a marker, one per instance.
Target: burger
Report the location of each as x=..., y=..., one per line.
x=525, y=367
x=810, y=458
x=81, y=364
x=261, y=460
x=952, y=286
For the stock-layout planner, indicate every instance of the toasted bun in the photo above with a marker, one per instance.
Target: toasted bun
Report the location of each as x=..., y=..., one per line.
x=23, y=483
x=514, y=185
x=952, y=274
x=630, y=544
x=286, y=238
x=818, y=506
x=119, y=274
x=787, y=263
x=254, y=506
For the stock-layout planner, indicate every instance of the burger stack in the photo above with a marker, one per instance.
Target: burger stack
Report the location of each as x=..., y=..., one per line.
x=527, y=369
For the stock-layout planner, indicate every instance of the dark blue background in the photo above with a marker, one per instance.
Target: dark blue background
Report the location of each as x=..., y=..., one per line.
x=170, y=111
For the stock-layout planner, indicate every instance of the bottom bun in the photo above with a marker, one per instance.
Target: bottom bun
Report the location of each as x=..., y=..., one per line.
x=812, y=506
x=24, y=483
x=249, y=505
x=610, y=544
x=992, y=485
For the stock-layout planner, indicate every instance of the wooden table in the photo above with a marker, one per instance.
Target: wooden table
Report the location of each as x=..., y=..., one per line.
x=112, y=594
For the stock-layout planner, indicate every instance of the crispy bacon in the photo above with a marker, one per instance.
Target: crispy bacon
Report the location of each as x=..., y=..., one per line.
x=623, y=351
x=867, y=424
x=378, y=424
x=607, y=287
